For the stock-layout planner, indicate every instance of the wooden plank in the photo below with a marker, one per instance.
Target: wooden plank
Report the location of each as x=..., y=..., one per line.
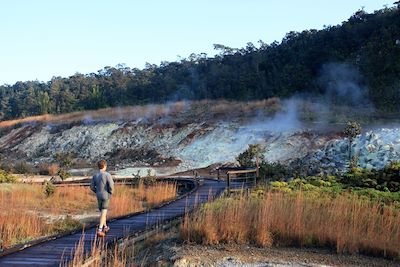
x=62, y=248
x=242, y=171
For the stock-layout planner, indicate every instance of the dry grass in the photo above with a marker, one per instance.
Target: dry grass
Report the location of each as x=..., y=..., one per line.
x=128, y=199
x=122, y=255
x=48, y=168
x=151, y=111
x=347, y=223
x=26, y=213
x=99, y=256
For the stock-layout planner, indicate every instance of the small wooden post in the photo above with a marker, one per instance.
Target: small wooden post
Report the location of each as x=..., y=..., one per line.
x=257, y=167
x=218, y=174
x=229, y=183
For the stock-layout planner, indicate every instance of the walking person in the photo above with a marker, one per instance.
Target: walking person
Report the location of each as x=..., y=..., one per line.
x=103, y=185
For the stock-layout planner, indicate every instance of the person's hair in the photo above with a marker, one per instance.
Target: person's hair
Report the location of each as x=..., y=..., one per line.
x=101, y=164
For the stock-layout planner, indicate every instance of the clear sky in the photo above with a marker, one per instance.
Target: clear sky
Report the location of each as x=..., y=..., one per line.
x=45, y=38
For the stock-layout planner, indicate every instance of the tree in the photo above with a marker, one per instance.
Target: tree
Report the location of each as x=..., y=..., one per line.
x=44, y=102
x=283, y=69
x=352, y=130
x=250, y=157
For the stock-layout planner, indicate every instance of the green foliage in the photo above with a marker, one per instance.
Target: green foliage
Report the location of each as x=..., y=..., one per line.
x=325, y=186
x=268, y=170
x=63, y=159
x=381, y=196
x=49, y=189
x=149, y=180
x=277, y=69
x=387, y=179
x=6, y=177
x=65, y=225
x=274, y=171
x=64, y=174
x=248, y=157
x=352, y=130
x=278, y=184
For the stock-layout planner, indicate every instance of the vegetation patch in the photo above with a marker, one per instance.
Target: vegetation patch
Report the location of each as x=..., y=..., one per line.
x=347, y=222
x=31, y=211
x=6, y=177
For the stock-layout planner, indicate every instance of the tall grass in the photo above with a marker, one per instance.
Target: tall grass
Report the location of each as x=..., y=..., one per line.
x=26, y=213
x=347, y=223
x=131, y=199
x=99, y=255
x=18, y=227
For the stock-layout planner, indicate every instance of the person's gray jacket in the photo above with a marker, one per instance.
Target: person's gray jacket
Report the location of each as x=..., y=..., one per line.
x=102, y=184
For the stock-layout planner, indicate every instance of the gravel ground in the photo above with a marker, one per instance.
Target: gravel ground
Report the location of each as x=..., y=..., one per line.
x=170, y=252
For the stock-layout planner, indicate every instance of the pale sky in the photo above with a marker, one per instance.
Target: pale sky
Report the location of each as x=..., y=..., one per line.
x=45, y=38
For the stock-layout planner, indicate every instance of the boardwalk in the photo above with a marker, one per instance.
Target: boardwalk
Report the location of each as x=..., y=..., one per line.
x=52, y=252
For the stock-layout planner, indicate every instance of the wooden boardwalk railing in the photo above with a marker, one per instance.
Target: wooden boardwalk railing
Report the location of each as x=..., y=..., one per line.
x=52, y=252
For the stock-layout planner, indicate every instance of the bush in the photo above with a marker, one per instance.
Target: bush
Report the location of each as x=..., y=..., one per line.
x=279, y=186
x=6, y=177
x=386, y=179
x=248, y=157
x=49, y=189
x=22, y=167
x=64, y=159
x=268, y=170
x=376, y=195
x=64, y=174
x=48, y=169
x=273, y=171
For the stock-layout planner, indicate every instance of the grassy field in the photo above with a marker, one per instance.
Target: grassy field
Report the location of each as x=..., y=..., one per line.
x=348, y=223
x=27, y=213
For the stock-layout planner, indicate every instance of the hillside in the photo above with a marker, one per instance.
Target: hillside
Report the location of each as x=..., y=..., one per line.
x=362, y=52
x=187, y=135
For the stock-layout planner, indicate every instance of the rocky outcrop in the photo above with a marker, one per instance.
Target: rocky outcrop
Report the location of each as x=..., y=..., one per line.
x=139, y=143
x=373, y=150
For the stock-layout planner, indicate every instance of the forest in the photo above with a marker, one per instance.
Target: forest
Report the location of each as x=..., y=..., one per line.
x=368, y=42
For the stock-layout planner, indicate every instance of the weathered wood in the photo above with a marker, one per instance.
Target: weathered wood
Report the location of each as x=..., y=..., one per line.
x=242, y=171
x=53, y=252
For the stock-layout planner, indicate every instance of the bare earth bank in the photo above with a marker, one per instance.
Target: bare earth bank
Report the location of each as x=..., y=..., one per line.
x=170, y=252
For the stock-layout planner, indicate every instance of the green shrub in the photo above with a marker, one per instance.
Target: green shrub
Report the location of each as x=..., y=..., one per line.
x=248, y=157
x=6, y=177
x=49, y=189
x=64, y=159
x=278, y=184
x=148, y=180
x=64, y=174
x=65, y=225
x=385, y=179
x=319, y=181
x=376, y=195
x=274, y=171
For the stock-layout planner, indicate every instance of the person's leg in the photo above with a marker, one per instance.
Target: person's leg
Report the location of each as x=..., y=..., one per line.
x=103, y=218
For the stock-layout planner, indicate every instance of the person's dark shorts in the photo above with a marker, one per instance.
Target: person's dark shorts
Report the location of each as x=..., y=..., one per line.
x=103, y=204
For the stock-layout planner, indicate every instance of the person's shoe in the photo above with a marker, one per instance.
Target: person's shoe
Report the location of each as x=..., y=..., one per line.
x=106, y=229
x=100, y=233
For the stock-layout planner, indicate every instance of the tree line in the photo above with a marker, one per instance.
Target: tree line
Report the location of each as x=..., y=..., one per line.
x=370, y=42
